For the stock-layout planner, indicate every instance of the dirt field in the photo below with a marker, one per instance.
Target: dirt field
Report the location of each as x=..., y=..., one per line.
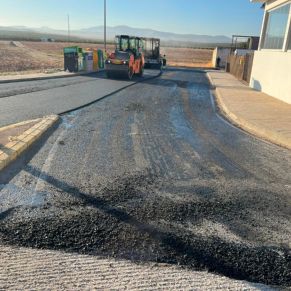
x=24, y=57
x=188, y=57
x=16, y=58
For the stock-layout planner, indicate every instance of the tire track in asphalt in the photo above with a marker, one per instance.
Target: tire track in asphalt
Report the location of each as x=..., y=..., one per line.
x=140, y=160
x=215, y=146
x=216, y=154
x=162, y=135
x=39, y=195
x=156, y=154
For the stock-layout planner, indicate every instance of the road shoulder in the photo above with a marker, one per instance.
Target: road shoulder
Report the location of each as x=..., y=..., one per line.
x=253, y=111
x=41, y=76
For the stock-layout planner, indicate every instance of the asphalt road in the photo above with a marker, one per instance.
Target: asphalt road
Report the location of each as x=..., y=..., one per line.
x=154, y=174
x=33, y=99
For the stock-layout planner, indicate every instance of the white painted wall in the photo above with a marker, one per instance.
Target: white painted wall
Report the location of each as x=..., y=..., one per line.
x=271, y=74
x=223, y=53
x=242, y=52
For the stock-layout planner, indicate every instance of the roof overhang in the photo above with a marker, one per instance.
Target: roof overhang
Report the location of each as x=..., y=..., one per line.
x=260, y=1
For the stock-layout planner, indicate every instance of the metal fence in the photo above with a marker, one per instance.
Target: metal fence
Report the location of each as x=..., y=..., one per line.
x=240, y=66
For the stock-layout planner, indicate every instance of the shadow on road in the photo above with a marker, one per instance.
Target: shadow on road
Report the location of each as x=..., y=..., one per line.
x=107, y=223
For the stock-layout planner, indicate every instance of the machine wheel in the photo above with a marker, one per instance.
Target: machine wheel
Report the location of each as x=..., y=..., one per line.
x=140, y=74
x=164, y=62
x=130, y=73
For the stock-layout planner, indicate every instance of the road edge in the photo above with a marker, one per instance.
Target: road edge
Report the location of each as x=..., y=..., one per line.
x=22, y=142
x=48, y=77
x=244, y=124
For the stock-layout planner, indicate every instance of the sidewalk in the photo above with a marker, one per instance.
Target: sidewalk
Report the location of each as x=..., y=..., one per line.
x=16, y=138
x=256, y=112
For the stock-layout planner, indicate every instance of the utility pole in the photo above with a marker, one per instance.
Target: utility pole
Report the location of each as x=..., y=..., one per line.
x=69, y=32
x=105, y=48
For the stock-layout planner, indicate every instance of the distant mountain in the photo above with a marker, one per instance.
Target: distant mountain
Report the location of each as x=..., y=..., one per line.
x=15, y=28
x=165, y=36
x=97, y=33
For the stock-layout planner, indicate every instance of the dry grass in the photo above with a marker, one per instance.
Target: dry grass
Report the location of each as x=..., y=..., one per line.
x=48, y=57
x=18, y=59
x=188, y=57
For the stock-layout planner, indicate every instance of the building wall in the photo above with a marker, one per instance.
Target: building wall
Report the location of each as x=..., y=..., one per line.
x=271, y=74
x=223, y=53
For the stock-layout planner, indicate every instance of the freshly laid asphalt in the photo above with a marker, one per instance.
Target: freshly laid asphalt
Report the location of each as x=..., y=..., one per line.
x=154, y=174
x=32, y=99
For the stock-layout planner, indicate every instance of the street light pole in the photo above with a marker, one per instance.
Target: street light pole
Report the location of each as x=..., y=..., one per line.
x=69, y=33
x=105, y=25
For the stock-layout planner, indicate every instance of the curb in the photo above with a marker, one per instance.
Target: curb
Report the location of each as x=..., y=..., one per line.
x=11, y=126
x=48, y=77
x=20, y=143
x=263, y=133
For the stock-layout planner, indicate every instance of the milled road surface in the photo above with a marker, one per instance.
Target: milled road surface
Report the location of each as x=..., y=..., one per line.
x=33, y=99
x=151, y=175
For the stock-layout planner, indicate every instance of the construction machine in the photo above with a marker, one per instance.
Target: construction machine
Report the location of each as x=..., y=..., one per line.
x=152, y=54
x=127, y=60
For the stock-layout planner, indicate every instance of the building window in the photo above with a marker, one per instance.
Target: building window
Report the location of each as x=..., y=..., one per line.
x=276, y=26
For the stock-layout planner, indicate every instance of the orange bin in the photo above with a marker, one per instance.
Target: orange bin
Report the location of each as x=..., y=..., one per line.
x=95, y=60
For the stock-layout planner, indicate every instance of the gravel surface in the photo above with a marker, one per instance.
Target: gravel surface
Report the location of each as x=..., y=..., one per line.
x=32, y=99
x=30, y=269
x=153, y=174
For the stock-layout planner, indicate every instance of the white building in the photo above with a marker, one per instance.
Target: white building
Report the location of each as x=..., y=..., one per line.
x=271, y=71
x=223, y=54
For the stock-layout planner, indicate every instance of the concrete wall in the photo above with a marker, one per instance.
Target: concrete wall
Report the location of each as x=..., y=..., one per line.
x=223, y=53
x=271, y=74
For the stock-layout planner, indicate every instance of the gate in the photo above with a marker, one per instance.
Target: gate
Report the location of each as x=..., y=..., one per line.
x=240, y=66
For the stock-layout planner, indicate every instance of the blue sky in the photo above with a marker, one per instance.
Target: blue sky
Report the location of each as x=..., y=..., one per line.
x=213, y=17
